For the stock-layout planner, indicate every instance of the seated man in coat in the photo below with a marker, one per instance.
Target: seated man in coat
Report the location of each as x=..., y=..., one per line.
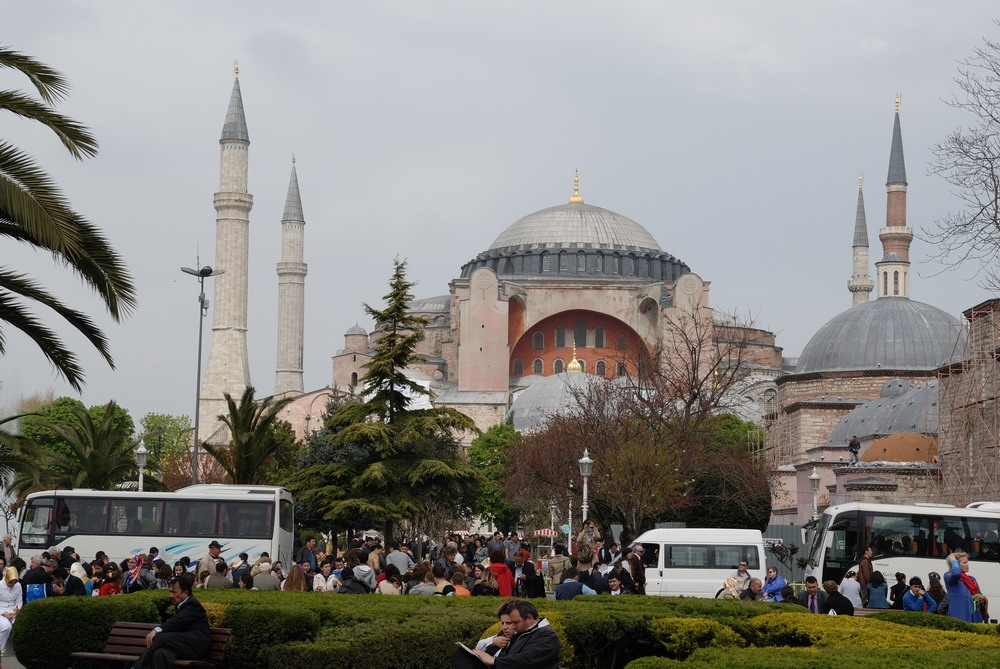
x=185, y=636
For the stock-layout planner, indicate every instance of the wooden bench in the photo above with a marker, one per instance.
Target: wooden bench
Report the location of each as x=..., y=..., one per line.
x=128, y=640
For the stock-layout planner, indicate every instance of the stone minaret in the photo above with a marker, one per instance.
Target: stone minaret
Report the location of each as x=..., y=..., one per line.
x=860, y=284
x=228, y=368
x=893, y=271
x=291, y=293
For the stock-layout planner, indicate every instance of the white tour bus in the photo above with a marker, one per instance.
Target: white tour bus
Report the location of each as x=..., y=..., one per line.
x=245, y=519
x=909, y=538
x=695, y=562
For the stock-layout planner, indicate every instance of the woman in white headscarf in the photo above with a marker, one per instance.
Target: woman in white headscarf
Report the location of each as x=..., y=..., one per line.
x=10, y=604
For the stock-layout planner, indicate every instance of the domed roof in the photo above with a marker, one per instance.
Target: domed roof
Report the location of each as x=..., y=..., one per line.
x=577, y=225
x=356, y=330
x=915, y=410
x=547, y=396
x=889, y=333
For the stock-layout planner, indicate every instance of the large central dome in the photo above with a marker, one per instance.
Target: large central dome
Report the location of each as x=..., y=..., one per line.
x=576, y=225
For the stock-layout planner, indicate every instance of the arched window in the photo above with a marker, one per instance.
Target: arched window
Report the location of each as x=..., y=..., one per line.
x=518, y=367
x=600, y=368
x=599, y=263
x=354, y=378
x=560, y=337
x=621, y=369
x=557, y=366
x=538, y=341
x=581, y=261
x=621, y=342
x=615, y=264
x=536, y=366
x=885, y=283
x=563, y=261
x=599, y=338
x=580, y=333
x=546, y=262
x=895, y=283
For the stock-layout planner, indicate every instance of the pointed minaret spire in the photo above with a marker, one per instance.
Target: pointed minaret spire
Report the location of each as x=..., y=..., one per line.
x=576, y=198
x=291, y=293
x=574, y=364
x=228, y=368
x=860, y=284
x=893, y=271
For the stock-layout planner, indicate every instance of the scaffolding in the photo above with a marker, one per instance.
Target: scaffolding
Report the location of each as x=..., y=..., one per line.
x=969, y=417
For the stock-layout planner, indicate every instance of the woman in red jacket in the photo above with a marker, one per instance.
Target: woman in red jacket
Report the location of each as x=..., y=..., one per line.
x=499, y=568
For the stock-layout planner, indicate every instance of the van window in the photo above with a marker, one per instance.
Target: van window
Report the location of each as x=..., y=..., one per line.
x=651, y=555
x=702, y=556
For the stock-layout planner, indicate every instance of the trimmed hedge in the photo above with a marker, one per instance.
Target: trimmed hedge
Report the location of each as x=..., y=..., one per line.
x=817, y=658
x=313, y=630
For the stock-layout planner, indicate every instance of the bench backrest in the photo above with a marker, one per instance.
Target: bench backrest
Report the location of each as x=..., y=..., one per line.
x=130, y=639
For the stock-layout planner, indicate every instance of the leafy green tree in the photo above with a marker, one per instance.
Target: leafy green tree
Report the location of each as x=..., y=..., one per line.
x=399, y=456
x=102, y=452
x=254, y=438
x=33, y=211
x=36, y=425
x=165, y=435
x=490, y=454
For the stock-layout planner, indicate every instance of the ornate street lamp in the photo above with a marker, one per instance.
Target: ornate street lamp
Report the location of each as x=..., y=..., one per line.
x=141, y=457
x=814, y=484
x=586, y=466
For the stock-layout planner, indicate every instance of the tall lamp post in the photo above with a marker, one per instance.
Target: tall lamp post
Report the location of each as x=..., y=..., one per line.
x=569, y=520
x=202, y=274
x=141, y=457
x=586, y=466
x=814, y=484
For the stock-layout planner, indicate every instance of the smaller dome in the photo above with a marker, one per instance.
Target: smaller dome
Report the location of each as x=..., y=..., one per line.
x=902, y=447
x=895, y=387
x=547, y=396
x=916, y=410
x=356, y=330
x=892, y=257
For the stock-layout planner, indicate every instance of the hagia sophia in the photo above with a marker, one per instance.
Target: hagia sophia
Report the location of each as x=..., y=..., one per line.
x=577, y=291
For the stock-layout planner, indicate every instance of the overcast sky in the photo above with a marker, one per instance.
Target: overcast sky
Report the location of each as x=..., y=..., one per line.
x=733, y=131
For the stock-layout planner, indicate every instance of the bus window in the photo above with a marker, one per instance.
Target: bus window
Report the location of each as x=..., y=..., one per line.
x=135, y=517
x=192, y=518
x=91, y=515
x=36, y=525
x=285, y=514
x=246, y=519
x=982, y=539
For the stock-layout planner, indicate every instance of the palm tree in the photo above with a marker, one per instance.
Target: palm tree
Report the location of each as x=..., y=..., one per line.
x=103, y=452
x=33, y=211
x=254, y=441
x=20, y=460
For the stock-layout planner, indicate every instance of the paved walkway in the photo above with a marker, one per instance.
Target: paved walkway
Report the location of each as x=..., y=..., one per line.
x=9, y=661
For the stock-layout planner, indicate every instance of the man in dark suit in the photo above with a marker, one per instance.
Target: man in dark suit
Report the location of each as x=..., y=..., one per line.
x=64, y=583
x=813, y=598
x=835, y=601
x=523, y=573
x=185, y=636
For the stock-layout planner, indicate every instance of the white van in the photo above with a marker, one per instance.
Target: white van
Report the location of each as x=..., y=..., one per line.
x=694, y=562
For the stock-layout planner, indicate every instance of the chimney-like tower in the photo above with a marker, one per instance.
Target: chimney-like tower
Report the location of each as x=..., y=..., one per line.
x=291, y=293
x=893, y=271
x=860, y=284
x=228, y=368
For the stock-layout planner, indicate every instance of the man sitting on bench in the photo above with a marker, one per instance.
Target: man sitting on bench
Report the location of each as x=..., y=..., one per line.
x=185, y=636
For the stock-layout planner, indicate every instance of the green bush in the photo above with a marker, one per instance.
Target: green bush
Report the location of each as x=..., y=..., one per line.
x=826, y=658
x=932, y=621
x=655, y=663
x=47, y=631
x=257, y=628
x=682, y=636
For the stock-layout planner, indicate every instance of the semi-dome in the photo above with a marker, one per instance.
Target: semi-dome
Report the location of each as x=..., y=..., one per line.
x=915, y=410
x=892, y=333
x=547, y=396
x=576, y=225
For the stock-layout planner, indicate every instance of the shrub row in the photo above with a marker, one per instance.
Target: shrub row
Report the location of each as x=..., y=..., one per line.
x=306, y=630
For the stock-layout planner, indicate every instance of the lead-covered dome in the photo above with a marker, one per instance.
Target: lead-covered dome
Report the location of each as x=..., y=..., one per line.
x=577, y=241
x=577, y=225
x=892, y=333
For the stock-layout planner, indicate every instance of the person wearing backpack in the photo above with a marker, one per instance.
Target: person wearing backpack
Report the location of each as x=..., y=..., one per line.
x=37, y=581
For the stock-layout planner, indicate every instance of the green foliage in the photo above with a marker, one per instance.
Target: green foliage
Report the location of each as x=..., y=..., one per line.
x=93, y=618
x=256, y=438
x=383, y=458
x=823, y=658
x=35, y=426
x=490, y=454
x=165, y=436
x=682, y=636
x=35, y=213
x=932, y=621
x=257, y=628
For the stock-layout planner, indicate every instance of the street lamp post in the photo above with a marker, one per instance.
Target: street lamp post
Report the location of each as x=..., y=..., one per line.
x=586, y=466
x=202, y=274
x=141, y=455
x=569, y=520
x=814, y=484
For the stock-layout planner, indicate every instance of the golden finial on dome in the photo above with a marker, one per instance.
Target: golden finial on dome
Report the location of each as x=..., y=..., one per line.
x=897, y=103
x=236, y=67
x=574, y=364
x=575, y=198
